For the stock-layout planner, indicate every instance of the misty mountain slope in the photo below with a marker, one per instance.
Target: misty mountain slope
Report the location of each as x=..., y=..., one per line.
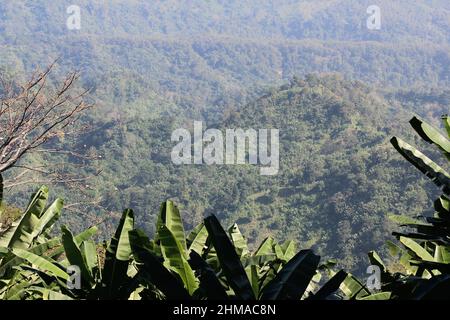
x=204, y=54
x=286, y=19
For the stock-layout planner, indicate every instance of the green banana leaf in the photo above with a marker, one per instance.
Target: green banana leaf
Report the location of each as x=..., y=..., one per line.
x=12, y=260
x=353, y=288
x=433, y=171
x=258, y=260
x=175, y=258
x=41, y=263
x=79, y=238
x=239, y=242
x=21, y=233
x=229, y=260
x=330, y=287
x=253, y=275
x=170, y=217
x=279, y=252
x=405, y=221
x=197, y=239
x=117, y=256
x=266, y=247
x=416, y=248
x=394, y=250
x=289, y=250
x=446, y=121
x=375, y=259
x=74, y=255
x=150, y=264
x=54, y=295
x=89, y=252
x=292, y=281
x=209, y=283
x=442, y=206
x=442, y=254
x=431, y=135
x=49, y=217
x=377, y=296
x=17, y=291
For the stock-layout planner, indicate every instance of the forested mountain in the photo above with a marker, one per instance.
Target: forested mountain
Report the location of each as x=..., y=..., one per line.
x=155, y=66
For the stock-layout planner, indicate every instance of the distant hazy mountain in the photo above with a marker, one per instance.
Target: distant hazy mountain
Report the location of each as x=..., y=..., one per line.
x=200, y=53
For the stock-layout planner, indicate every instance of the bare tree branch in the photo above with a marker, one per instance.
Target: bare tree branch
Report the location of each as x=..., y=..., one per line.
x=32, y=114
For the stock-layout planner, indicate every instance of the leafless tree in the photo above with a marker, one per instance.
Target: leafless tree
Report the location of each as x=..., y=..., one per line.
x=32, y=114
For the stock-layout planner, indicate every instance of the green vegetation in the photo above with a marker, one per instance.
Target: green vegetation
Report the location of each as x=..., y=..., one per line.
x=211, y=263
x=207, y=264
x=425, y=253
x=157, y=66
x=337, y=183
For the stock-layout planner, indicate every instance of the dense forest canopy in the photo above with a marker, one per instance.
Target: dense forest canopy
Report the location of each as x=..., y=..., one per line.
x=336, y=90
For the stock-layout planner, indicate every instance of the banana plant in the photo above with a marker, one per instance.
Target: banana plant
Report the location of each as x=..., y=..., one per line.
x=424, y=253
x=209, y=263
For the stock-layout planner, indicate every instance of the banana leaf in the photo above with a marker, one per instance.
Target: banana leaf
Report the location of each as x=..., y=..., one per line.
x=377, y=296
x=288, y=250
x=21, y=233
x=375, y=259
x=175, y=258
x=446, y=121
x=54, y=295
x=253, y=275
x=170, y=217
x=442, y=254
x=259, y=260
x=431, y=135
x=433, y=171
x=89, y=252
x=266, y=247
x=239, y=242
x=117, y=256
x=292, y=281
x=353, y=288
x=74, y=255
x=150, y=264
x=442, y=206
x=416, y=248
x=41, y=263
x=229, y=260
x=405, y=221
x=197, y=239
x=330, y=287
x=79, y=238
x=209, y=283
x=8, y=263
